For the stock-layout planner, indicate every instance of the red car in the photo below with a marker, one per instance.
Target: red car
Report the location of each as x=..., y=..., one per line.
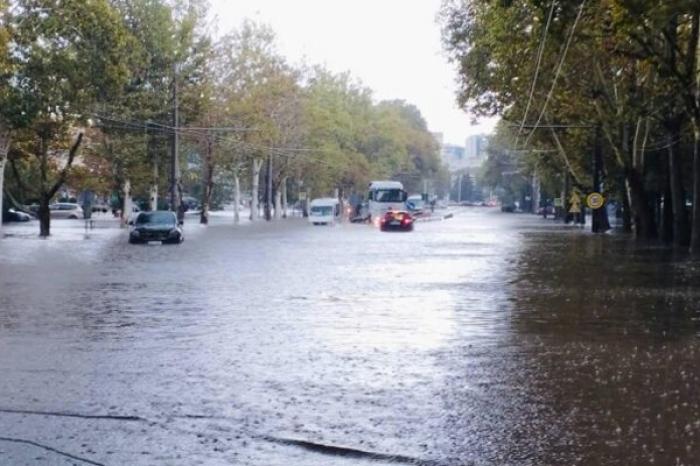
x=396, y=220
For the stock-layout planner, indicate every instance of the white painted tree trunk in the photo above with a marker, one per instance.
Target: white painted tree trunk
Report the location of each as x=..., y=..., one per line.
x=257, y=165
x=154, y=197
x=283, y=187
x=4, y=149
x=278, y=204
x=3, y=160
x=236, y=199
x=128, y=204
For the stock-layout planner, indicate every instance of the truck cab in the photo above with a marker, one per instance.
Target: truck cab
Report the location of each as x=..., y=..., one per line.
x=384, y=195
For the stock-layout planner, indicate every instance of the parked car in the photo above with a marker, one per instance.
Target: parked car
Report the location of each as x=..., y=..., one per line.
x=100, y=207
x=66, y=210
x=159, y=225
x=191, y=204
x=12, y=215
x=396, y=220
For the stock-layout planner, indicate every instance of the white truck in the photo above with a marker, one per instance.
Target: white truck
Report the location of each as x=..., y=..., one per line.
x=383, y=195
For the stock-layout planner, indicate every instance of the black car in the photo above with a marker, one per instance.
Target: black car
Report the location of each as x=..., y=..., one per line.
x=160, y=225
x=13, y=215
x=396, y=220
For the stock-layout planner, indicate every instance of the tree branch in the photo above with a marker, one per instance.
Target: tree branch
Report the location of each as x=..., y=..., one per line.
x=64, y=173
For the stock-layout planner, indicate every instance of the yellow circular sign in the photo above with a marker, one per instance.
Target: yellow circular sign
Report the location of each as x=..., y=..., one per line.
x=595, y=200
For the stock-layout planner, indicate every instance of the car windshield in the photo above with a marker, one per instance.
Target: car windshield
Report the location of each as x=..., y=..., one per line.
x=322, y=210
x=389, y=195
x=155, y=218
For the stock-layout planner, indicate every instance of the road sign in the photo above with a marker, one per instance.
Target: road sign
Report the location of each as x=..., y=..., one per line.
x=575, y=202
x=302, y=196
x=595, y=200
x=557, y=202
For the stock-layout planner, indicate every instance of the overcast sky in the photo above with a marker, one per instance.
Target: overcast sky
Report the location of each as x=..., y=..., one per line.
x=392, y=46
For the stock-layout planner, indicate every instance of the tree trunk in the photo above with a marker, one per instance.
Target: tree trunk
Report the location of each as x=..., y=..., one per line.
x=44, y=197
x=695, y=231
x=3, y=160
x=680, y=215
x=638, y=204
x=642, y=212
x=128, y=204
x=4, y=149
x=283, y=187
x=630, y=159
x=535, y=194
x=207, y=184
x=153, y=205
x=236, y=198
x=667, y=213
x=626, y=210
x=278, y=204
x=154, y=187
x=268, y=189
x=257, y=165
x=44, y=216
x=599, y=217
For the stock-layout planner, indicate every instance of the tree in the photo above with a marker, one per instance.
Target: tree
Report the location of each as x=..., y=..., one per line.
x=67, y=57
x=625, y=66
x=5, y=136
x=252, y=77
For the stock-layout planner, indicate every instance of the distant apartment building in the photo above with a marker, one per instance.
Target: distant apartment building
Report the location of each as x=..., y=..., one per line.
x=467, y=158
x=475, y=147
x=453, y=157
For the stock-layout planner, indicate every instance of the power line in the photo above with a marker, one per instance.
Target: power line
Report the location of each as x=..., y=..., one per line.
x=557, y=73
x=288, y=152
x=540, y=53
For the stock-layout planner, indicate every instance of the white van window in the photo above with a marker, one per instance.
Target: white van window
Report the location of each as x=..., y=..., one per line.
x=390, y=195
x=322, y=210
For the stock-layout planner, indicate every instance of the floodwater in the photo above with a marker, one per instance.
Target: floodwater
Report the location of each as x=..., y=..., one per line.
x=485, y=339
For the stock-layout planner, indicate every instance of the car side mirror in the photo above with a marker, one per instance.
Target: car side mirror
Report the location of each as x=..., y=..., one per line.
x=130, y=222
x=180, y=223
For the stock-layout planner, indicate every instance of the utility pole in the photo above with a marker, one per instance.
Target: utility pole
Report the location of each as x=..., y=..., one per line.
x=174, y=156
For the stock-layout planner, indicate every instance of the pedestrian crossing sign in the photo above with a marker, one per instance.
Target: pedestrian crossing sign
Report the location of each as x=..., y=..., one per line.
x=575, y=202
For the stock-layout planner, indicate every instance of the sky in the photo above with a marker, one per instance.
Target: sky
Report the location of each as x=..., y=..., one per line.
x=392, y=46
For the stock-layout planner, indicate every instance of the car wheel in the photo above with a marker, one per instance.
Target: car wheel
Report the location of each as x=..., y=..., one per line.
x=73, y=217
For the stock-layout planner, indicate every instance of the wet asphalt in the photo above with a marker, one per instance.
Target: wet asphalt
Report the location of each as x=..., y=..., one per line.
x=484, y=339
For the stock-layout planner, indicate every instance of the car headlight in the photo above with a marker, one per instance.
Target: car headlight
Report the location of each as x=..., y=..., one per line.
x=173, y=233
x=135, y=233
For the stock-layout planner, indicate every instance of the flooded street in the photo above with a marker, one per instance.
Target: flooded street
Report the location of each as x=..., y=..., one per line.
x=484, y=339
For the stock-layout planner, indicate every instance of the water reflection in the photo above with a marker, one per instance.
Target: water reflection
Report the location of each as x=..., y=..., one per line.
x=607, y=331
